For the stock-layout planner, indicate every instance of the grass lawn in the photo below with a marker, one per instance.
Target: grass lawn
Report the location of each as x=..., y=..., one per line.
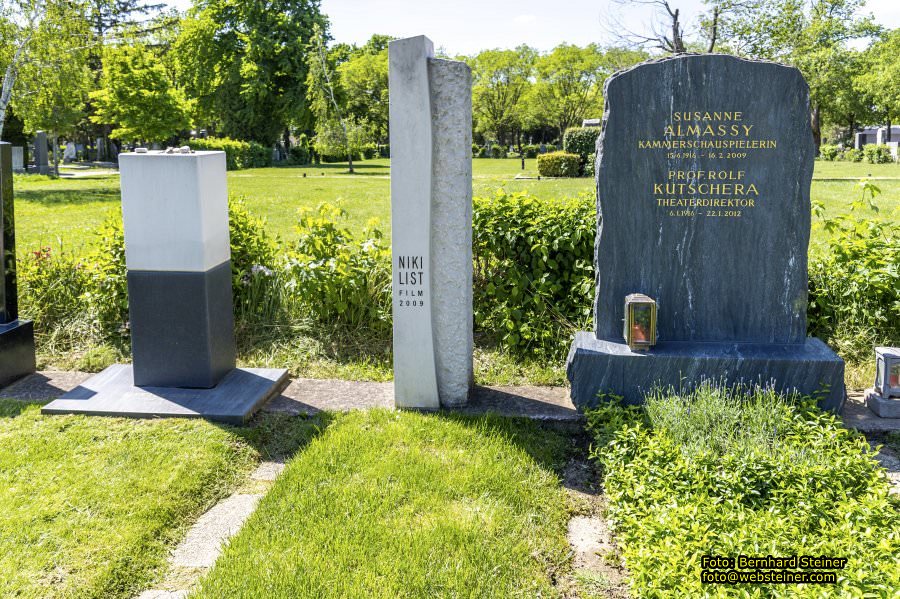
x=64, y=212
x=400, y=504
x=91, y=506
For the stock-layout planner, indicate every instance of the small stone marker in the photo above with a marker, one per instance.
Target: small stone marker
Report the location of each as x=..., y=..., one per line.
x=18, y=159
x=17, y=357
x=431, y=215
x=177, y=250
x=41, y=154
x=703, y=175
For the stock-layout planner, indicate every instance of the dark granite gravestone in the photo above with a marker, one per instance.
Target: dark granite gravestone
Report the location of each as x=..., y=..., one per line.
x=16, y=336
x=703, y=174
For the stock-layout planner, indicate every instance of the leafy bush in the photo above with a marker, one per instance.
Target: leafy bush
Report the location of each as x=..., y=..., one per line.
x=338, y=279
x=854, y=281
x=299, y=153
x=533, y=270
x=559, y=164
x=589, y=165
x=851, y=155
x=530, y=151
x=581, y=141
x=828, y=152
x=238, y=154
x=731, y=472
x=498, y=151
x=550, y=148
x=877, y=154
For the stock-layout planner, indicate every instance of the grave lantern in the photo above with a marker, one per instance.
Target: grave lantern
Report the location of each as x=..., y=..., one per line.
x=640, y=322
x=887, y=371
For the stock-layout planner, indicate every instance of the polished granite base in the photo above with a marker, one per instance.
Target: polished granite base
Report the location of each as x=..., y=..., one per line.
x=597, y=366
x=113, y=393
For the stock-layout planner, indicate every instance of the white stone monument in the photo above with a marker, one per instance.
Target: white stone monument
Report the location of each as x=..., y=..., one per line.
x=178, y=255
x=431, y=216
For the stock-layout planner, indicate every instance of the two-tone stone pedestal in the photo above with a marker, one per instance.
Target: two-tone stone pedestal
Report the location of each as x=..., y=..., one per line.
x=16, y=336
x=595, y=366
x=177, y=249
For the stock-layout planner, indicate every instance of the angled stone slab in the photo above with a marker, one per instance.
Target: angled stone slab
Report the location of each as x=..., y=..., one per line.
x=113, y=393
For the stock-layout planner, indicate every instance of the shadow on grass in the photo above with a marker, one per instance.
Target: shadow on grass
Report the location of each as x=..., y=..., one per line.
x=552, y=445
x=71, y=196
x=335, y=165
x=277, y=437
x=10, y=408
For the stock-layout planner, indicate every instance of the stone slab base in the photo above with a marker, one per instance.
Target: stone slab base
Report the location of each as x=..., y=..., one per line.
x=113, y=393
x=885, y=407
x=596, y=366
x=16, y=350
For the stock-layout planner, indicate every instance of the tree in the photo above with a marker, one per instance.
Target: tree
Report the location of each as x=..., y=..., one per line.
x=364, y=82
x=41, y=52
x=500, y=80
x=334, y=129
x=569, y=83
x=245, y=61
x=137, y=96
x=879, y=79
x=812, y=36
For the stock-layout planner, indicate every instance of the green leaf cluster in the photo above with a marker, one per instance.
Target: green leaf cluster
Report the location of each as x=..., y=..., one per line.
x=729, y=472
x=238, y=154
x=559, y=164
x=854, y=281
x=138, y=97
x=533, y=270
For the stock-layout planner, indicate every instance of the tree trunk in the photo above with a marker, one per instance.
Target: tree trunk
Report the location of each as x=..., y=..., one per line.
x=816, y=123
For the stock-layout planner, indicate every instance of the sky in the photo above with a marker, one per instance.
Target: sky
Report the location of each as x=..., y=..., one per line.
x=467, y=26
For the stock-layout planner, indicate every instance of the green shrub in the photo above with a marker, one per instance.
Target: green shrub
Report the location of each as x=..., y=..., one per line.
x=550, y=148
x=238, y=154
x=589, y=165
x=498, y=151
x=108, y=292
x=581, y=141
x=299, y=155
x=51, y=289
x=851, y=155
x=854, y=281
x=730, y=472
x=533, y=270
x=877, y=154
x=530, y=151
x=559, y=164
x=340, y=280
x=828, y=152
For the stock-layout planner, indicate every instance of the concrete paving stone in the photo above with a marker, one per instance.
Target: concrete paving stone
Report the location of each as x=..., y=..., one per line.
x=204, y=541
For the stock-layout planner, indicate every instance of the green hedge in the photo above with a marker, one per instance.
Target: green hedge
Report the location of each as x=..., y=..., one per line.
x=828, y=152
x=534, y=272
x=238, y=154
x=559, y=164
x=877, y=154
x=581, y=141
x=729, y=473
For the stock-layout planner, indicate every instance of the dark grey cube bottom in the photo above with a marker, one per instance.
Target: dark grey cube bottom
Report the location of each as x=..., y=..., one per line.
x=884, y=407
x=596, y=366
x=113, y=393
x=182, y=327
x=16, y=350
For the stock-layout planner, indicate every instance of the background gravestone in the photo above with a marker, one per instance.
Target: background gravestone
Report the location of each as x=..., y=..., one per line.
x=41, y=153
x=16, y=336
x=703, y=170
